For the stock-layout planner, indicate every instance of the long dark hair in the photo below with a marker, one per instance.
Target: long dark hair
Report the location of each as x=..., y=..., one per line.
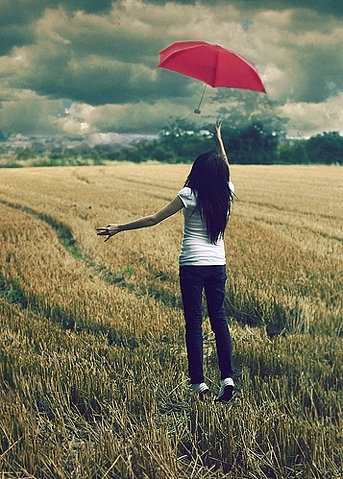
x=209, y=179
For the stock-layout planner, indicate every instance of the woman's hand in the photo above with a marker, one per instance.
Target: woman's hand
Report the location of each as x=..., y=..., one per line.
x=109, y=231
x=218, y=130
x=217, y=133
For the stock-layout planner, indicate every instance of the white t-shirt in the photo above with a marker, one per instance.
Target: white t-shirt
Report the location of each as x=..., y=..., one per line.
x=196, y=246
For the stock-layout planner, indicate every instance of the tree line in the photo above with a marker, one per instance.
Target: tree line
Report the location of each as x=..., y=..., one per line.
x=254, y=143
x=180, y=142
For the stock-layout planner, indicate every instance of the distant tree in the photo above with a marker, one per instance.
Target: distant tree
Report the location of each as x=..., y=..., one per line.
x=253, y=144
x=105, y=152
x=325, y=148
x=57, y=154
x=293, y=152
x=184, y=141
x=26, y=153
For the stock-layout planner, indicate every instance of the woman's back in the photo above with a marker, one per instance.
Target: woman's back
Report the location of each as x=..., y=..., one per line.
x=197, y=248
x=209, y=179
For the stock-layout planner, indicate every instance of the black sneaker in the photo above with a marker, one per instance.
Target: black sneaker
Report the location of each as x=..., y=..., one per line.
x=225, y=394
x=226, y=391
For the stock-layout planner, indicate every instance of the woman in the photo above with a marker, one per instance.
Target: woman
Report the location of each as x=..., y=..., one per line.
x=205, y=200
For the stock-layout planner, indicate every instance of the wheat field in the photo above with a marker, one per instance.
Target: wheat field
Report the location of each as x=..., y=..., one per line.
x=93, y=366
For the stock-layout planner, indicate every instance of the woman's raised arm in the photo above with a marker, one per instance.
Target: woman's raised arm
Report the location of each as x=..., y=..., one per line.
x=218, y=136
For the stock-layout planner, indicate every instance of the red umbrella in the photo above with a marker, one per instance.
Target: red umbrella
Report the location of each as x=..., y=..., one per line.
x=212, y=64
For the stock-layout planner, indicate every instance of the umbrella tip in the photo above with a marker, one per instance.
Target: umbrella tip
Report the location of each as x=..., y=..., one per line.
x=197, y=111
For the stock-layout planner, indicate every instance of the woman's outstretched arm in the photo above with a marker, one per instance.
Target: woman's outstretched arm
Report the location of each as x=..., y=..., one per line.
x=144, y=222
x=218, y=136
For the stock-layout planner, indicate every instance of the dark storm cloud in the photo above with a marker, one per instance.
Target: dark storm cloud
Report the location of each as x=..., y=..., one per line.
x=16, y=17
x=93, y=59
x=87, y=77
x=103, y=56
x=318, y=74
x=332, y=7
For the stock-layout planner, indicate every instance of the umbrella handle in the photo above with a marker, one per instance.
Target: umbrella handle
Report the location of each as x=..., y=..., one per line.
x=197, y=110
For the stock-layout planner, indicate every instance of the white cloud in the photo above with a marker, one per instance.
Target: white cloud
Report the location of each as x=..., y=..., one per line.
x=307, y=119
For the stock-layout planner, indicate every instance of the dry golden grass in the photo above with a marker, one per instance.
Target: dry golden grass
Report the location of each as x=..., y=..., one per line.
x=93, y=366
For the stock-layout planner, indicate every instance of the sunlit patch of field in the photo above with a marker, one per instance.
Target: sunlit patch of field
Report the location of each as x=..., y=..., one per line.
x=93, y=368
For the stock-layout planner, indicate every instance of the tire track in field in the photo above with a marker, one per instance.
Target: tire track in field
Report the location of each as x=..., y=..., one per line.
x=139, y=181
x=290, y=211
x=14, y=293
x=301, y=228
x=63, y=231
x=158, y=196
x=70, y=321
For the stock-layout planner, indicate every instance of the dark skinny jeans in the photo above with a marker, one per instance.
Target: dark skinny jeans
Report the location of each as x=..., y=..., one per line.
x=193, y=280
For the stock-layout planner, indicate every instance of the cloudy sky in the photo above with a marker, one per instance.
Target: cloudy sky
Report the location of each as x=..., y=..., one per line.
x=87, y=66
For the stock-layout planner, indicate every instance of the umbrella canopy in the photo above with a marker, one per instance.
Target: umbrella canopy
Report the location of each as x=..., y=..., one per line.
x=212, y=64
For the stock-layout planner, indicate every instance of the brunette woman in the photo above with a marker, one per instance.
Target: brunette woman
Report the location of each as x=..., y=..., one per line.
x=205, y=201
